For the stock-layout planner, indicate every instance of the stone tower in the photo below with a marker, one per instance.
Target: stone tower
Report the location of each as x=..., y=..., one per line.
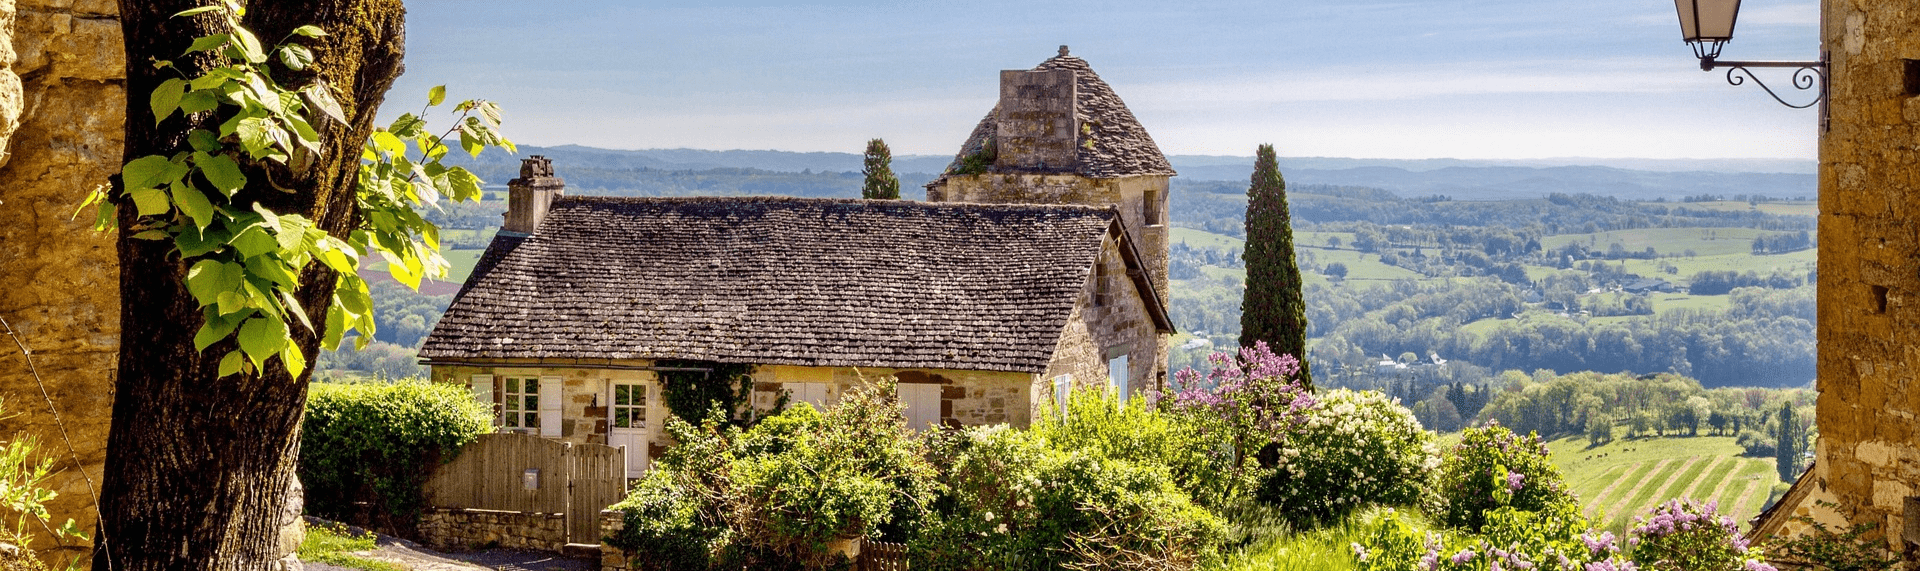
x=1060, y=135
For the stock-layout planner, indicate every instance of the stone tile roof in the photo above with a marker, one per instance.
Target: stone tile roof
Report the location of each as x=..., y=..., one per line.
x=1111, y=144
x=783, y=281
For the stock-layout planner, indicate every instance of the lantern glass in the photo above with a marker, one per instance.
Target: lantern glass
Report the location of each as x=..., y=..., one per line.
x=1707, y=20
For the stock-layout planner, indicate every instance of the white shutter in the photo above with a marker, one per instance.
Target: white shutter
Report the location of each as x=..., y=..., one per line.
x=1062, y=391
x=922, y=404
x=550, y=394
x=483, y=392
x=1117, y=370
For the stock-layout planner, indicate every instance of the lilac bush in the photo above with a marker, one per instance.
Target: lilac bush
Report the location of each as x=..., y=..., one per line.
x=1252, y=403
x=1689, y=535
x=1356, y=448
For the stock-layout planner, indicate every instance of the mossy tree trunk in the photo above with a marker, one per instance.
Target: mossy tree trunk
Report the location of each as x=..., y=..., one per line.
x=199, y=467
x=1274, y=308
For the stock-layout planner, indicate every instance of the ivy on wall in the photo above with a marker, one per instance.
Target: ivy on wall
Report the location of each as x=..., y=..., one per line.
x=701, y=386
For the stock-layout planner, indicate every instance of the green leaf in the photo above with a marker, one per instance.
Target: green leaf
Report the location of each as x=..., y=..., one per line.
x=230, y=302
x=465, y=185
x=204, y=141
x=296, y=57
x=336, y=324
x=321, y=97
x=274, y=270
x=253, y=136
x=166, y=98
x=195, y=242
x=471, y=144
x=293, y=306
x=436, y=95
x=222, y=171
x=230, y=364
x=207, y=278
x=387, y=143
x=198, y=102
x=249, y=45
x=254, y=241
x=310, y=31
x=149, y=201
x=261, y=337
x=194, y=204
x=146, y=172
x=204, y=43
x=195, y=11
x=217, y=327
x=295, y=362
x=151, y=235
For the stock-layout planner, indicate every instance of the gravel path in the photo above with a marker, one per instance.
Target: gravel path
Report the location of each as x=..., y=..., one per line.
x=419, y=558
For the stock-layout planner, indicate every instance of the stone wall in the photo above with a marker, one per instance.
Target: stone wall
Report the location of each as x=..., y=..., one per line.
x=967, y=398
x=62, y=100
x=460, y=529
x=1869, y=303
x=1099, y=321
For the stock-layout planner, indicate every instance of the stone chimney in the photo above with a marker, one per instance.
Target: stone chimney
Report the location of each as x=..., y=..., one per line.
x=1037, y=130
x=529, y=196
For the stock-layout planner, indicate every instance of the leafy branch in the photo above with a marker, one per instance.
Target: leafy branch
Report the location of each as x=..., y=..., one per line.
x=244, y=260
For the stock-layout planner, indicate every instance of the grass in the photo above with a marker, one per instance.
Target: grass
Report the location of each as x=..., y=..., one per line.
x=1592, y=470
x=333, y=544
x=1274, y=546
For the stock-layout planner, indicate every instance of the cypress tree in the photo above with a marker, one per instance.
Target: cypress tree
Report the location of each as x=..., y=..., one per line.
x=1274, y=309
x=879, y=170
x=1786, y=452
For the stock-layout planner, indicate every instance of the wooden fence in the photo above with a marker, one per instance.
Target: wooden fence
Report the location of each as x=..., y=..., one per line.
x=526, y=473
x=878, y=556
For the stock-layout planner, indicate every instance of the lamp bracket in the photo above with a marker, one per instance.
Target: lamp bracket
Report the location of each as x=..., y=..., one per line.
x=1807, y=75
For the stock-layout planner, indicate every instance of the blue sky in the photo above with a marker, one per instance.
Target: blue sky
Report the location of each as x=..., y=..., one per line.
x=1335, y=78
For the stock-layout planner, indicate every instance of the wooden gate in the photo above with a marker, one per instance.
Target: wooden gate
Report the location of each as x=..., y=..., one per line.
x=526, y=473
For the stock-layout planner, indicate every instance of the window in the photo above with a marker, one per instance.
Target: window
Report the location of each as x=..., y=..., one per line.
x=521, y=400
x=811, y=393
x=922, y=405
x=629, y=405
x=1062, y=390
x=1100, y=281
x=1152, y=207
x=1117, y=369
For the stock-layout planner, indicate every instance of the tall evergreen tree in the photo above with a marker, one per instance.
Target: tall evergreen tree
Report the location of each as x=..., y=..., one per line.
x=879, y=170
x=1786, y=450
x=1273, y=310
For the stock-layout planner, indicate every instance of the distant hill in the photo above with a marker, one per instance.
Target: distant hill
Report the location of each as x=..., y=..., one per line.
x=649, y=172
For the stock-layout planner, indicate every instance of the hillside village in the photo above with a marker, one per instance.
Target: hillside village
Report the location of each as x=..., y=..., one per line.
x=1043, y=364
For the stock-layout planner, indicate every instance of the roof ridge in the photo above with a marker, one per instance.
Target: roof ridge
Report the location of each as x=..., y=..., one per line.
x=823, y=200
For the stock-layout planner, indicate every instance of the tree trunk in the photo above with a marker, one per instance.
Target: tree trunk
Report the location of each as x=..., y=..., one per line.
x=200, y=468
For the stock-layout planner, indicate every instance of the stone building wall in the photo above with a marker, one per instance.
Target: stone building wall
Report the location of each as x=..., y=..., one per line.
x=1869, y=303
x=62, y=99
x=1103, y=320
x=967, y=398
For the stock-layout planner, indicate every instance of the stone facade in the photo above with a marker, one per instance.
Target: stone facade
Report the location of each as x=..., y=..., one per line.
x=1101, y=323
x=1869, y=303
x=460, y=529
x=62, y=105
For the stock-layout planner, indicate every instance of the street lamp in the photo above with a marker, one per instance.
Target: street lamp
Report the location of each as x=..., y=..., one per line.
x=1708, y=24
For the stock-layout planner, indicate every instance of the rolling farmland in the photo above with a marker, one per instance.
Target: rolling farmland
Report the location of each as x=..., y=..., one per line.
x=1622, y=479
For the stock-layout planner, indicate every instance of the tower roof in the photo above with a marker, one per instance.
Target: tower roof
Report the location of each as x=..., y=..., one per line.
x=1109, y=141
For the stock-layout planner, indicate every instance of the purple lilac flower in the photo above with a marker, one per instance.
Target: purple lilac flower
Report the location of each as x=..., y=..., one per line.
x=1463, y=556
x=1514, y=480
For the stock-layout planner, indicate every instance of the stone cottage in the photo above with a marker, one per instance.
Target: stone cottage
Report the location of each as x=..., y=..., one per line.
x=984, y=312
x=1060, y=135
x=1868, y=456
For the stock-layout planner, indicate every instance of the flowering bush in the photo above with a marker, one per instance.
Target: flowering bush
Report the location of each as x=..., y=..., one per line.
x=782, y=492
x=1492, y=468
x=1512, y=540
x=1098, y=424
x=1687, y=535
x=1355, y=448
x=1014, y=501
x=1251, y=403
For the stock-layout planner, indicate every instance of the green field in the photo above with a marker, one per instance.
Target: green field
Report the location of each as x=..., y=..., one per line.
x=1806, y=208
x=1625, y=478
x=1665, y=241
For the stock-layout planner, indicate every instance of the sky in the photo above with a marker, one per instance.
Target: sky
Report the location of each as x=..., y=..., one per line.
x=1469, y=79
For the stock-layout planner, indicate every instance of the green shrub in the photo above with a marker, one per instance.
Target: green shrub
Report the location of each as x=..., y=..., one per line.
x=1356, y=448
x=1014, y=501
x=1491, y=468
x=784, y=492
x=1249, y=402
x=1098, y=424
x=377, y=443
x=1857, y=548
x=1558, y=537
